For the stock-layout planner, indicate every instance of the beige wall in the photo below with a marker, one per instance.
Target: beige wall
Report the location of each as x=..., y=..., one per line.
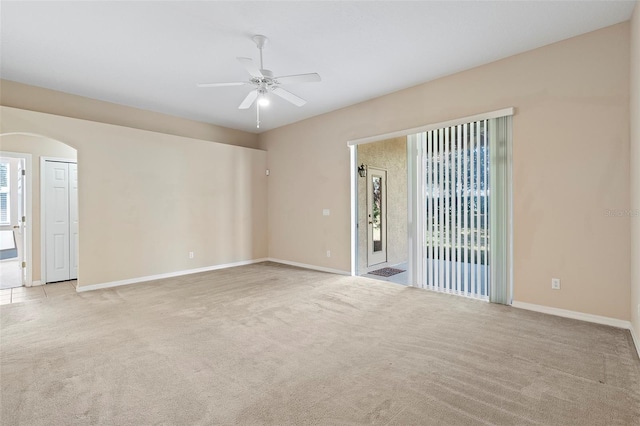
x=635, y=170
x=32, y=98
x=389, y=155
x=146, y=199
x=37, y=147
x=570, y=159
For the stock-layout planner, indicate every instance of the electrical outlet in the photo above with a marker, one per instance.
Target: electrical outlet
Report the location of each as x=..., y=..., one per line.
x=555, y=283
x=191, y=255
x=326, y=212
x=328, y=253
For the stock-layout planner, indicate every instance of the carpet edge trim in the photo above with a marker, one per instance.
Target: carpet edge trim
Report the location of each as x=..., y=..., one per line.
x=613, y=322
x=119, y=283
x=307, y=266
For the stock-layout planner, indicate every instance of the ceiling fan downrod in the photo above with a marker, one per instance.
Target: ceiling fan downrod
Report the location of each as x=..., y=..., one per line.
x=260, y=41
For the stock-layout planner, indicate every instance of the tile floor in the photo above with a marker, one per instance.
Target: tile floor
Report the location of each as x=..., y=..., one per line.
x=10, y=274
x=37, y=293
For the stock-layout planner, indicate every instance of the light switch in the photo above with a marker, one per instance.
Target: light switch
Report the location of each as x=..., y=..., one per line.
x=326, y=212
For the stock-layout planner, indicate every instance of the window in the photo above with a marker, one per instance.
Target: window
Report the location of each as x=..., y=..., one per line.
x=5, y=213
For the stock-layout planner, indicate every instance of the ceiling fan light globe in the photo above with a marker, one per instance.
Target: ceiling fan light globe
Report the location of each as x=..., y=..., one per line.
x=264, y=102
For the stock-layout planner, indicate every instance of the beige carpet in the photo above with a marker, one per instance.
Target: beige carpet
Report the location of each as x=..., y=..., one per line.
x=269, y=344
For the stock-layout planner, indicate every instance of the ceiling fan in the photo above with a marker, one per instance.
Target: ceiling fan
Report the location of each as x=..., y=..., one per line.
x=264, y=82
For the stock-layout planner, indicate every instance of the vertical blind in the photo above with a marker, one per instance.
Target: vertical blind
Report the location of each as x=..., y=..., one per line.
x=455, y=198
x=501, y=216
x=459, y=208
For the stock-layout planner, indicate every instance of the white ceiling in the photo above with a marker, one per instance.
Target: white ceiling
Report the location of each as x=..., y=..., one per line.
x=151, y=54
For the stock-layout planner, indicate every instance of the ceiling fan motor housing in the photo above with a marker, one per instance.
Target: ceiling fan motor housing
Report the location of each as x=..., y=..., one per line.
x=266, y=82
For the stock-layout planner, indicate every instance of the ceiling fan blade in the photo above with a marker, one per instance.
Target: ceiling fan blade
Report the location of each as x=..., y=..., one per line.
x=249, y=100
x=251, y=68
x=288, y=96
x=299, y=78
x=236, y=83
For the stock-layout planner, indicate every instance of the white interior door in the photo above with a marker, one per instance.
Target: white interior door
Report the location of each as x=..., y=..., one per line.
x=57, y=222
x=376, y=216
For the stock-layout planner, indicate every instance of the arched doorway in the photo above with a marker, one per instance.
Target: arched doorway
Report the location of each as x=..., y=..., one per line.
x=32, y=230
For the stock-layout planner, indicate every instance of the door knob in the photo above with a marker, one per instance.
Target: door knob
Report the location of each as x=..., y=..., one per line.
x=16, y=226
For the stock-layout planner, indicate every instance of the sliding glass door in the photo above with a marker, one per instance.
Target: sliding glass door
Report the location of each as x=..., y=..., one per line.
x=455, y=162
x=457, y=172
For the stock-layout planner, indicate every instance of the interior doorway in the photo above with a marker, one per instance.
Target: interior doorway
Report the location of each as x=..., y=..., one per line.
x=15, y=219
x=34, y=148
x=382, y=210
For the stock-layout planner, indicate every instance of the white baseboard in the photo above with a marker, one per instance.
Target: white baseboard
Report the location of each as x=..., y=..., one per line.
x=35, y=283
x=166, y=275
x=636, y=339
x=306, y=266
x=613, y=322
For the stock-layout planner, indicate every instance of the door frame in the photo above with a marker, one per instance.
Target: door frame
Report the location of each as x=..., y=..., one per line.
x=28, y=254
x=383, y=218
x=43, y=226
